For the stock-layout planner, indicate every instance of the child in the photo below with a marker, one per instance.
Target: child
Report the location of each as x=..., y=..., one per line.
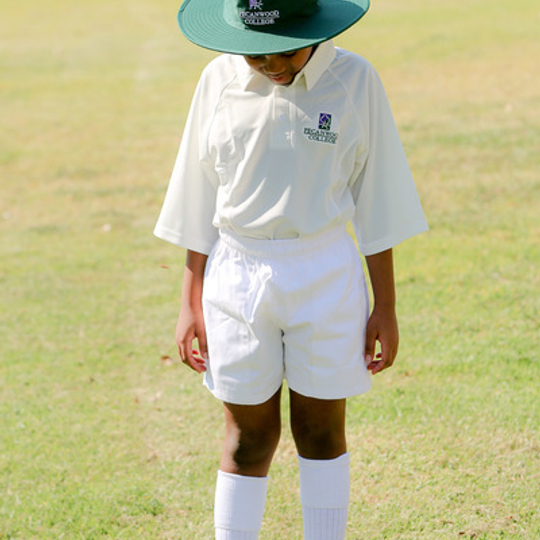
x=288, y=139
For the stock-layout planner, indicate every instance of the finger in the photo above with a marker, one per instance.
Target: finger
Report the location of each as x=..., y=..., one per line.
x=199, y=358
x=181, y=351
x=196, y=364
x=369, y=348
x=386, y=356
x=180, y=343
x=203, y=344
x=385, y=359
x=190, y=359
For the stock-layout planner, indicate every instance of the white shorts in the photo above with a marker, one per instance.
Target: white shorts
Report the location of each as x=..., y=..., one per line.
x=293, y=309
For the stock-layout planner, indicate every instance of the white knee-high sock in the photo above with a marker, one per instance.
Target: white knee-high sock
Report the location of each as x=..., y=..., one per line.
x=239, y=506
x=324, y=490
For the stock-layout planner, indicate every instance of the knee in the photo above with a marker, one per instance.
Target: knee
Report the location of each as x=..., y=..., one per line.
x=253, y=447
x=319, y=440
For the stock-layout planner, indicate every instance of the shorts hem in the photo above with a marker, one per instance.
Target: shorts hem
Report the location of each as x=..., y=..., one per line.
x=231, y=397
x=337, y=394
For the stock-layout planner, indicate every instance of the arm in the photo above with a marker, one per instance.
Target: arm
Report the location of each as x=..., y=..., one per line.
x=382, y=324
x=190, y=324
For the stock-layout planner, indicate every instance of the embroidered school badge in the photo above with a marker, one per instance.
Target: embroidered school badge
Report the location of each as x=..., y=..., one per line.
x=322, y=133
x=256, y=17
x=325, y=121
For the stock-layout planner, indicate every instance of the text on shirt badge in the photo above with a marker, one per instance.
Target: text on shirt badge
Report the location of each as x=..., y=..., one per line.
x=322, y=133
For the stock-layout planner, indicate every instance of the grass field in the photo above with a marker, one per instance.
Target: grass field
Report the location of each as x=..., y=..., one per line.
x=103, y=434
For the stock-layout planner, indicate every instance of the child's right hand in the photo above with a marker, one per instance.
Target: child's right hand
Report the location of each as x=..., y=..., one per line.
x=190, y=326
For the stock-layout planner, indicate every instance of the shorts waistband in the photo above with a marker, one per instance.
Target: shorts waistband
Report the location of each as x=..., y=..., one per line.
x=270, y=248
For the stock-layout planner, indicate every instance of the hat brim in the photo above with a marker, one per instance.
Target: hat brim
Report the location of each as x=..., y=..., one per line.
x=203, y=23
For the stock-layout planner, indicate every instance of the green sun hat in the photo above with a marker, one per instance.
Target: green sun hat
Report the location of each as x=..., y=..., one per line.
x=253, y=27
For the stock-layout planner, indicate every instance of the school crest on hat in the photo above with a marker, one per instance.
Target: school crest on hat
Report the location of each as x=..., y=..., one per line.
x=266, y=26
x=255, y=16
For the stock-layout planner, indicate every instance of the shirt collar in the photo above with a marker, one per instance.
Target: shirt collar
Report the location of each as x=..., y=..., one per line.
x=317, y=65
x=310, y=74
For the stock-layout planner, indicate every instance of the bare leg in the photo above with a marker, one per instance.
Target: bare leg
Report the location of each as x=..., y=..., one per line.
x=251, y=437
x=318, y=428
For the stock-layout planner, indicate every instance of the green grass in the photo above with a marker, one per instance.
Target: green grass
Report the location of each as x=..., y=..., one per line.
x=101, y=438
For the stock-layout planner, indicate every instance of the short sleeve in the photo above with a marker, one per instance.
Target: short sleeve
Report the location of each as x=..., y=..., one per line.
x=189, y=207
x=387, y=206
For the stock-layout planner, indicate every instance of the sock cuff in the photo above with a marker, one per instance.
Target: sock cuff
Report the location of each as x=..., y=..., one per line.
x=342, y=461
x=325, y=483
x=240, y=501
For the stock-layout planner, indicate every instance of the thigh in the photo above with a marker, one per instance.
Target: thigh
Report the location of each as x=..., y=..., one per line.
x=318, y=426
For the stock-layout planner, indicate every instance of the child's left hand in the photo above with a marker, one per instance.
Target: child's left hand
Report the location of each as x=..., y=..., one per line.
x=382, y=326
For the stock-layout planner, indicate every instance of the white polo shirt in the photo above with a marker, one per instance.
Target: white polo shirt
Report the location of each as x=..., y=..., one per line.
x=270, y=161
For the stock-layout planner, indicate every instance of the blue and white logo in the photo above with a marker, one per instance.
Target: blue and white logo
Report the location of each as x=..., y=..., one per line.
x=325, y=121
x=322, y=133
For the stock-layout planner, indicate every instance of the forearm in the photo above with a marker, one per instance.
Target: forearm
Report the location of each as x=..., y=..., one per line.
x=381, y=274
x=190, y=325
x=382, y=325
x=192, y=283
